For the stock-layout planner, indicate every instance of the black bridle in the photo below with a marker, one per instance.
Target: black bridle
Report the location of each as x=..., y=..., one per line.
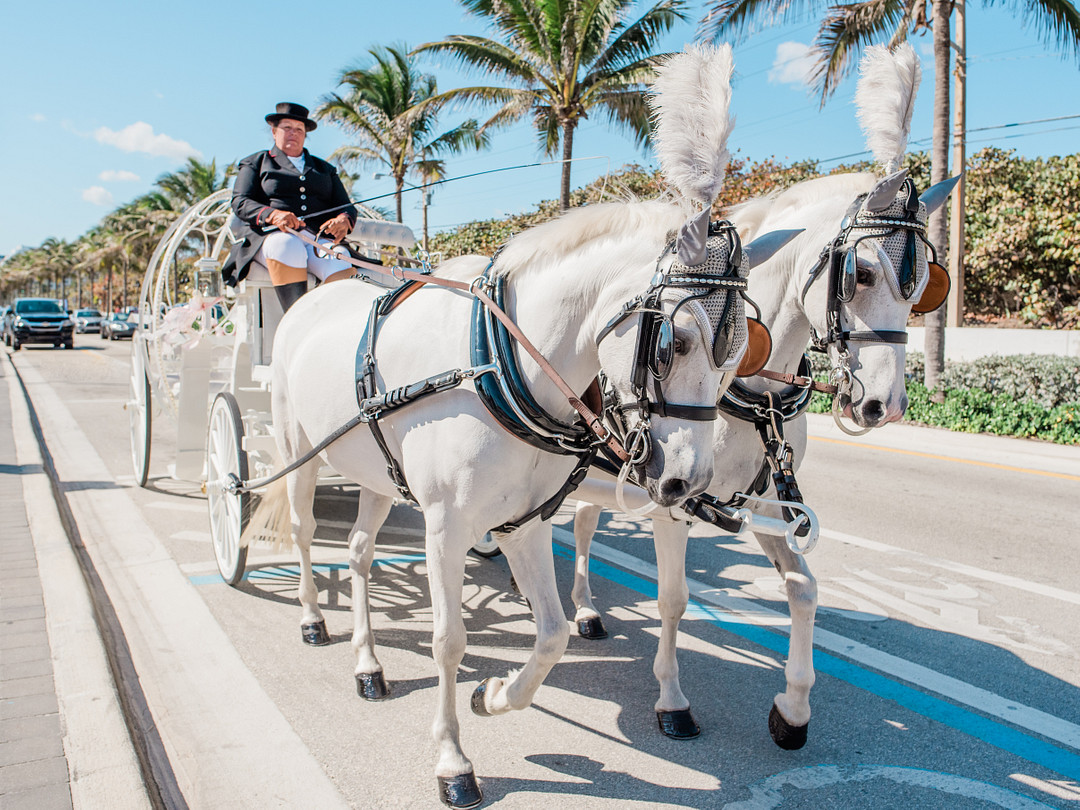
x=655, y=348
x=839, y=256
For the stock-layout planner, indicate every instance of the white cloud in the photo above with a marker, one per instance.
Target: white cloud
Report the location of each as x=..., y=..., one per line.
x=140, y=137
x=118, y=176
x=37, y=118
x=97, y=195
x=793, y=64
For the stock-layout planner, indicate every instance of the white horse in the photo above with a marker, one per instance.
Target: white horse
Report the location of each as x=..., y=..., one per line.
x=566, y=279
x=867, y=352
x=588, y=290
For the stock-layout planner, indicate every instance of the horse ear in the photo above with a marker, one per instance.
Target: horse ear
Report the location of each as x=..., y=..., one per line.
x=762, y=249
x=935, y=196
x=884, y=193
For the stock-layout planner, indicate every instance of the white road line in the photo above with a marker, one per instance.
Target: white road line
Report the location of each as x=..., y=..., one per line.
x=747, y=611
x=957, y=568
x=191, y=535
x=178, y=506
x=774, y=791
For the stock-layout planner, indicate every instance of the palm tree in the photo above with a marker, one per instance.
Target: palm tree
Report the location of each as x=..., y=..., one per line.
x=390, y=110
x=846, y=29
x=559, y=61
x=196, y=181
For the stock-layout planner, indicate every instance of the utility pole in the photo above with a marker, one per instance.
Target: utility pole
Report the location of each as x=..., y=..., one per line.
x=954, y=315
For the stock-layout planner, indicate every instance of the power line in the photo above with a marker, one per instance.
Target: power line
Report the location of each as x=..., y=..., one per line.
x=923, y=141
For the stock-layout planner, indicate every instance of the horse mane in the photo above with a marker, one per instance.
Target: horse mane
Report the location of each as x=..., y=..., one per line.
x=815, y=200
x=653, y=222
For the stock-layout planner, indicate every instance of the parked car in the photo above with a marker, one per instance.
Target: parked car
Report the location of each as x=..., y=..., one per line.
x=119, y=325
x=39, y=320
x=88, y=320
x=4, y=311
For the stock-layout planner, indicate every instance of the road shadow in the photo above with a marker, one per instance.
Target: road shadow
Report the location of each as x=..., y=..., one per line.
x=729, y=674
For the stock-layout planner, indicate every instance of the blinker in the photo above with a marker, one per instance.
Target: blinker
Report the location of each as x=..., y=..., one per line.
x=849, y=276
x=908, y=276
x=663, y=350
x=937, y=289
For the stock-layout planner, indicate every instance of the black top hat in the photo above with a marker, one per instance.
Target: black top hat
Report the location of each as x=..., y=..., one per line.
x=288, y=109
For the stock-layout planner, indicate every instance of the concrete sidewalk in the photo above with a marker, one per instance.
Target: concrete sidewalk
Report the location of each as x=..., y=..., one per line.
x=1022, y=454
x=63, y=740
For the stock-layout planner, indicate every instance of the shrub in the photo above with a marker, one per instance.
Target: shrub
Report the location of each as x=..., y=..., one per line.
x=1036, y=396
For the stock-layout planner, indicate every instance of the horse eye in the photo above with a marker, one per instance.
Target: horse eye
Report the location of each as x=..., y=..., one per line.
x=681, y=346
x=864, y=275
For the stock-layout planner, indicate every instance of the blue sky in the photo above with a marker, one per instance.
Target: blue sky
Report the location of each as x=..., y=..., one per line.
x=100, y=99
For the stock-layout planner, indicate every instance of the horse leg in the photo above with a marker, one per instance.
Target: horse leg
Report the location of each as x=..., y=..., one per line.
x=528, y=551
x=587, y=617
x=790, y=714
x=370, y=516
x=446, y=549
x=672, y=708
x=301, y=486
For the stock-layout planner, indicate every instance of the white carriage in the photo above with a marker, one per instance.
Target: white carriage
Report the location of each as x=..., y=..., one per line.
x=202, y=356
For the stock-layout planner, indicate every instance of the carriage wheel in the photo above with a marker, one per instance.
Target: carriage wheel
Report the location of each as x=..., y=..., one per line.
x=487, y=547
x=228, y=510
x=138, y=408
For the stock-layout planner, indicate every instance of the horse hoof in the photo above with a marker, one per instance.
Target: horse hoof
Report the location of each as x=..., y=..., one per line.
x=460, y=791
x=787, y=736
x=477, y=699
x=592, y=627
x=372, y=686
x=315, y=634
x=678, y=724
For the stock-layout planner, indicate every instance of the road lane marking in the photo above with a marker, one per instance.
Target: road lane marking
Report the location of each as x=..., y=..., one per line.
x=178, y=506
x=744, y=618
x=773, y=791
x=937, y=457
x=957, y=568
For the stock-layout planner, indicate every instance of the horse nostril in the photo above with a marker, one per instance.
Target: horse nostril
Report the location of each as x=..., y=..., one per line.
x=674, y=489
x=873, y=411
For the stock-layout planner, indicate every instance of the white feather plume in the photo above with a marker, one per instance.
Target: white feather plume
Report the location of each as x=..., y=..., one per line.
x=885, y=101
x=690, y=98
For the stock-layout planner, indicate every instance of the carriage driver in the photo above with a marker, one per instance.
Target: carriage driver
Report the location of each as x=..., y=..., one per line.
x=277, y=188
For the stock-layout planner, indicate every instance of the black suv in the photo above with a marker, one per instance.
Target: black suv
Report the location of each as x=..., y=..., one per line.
x=39, y=320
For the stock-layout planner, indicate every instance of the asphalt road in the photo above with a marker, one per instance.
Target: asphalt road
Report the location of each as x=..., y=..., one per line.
x=947, y=674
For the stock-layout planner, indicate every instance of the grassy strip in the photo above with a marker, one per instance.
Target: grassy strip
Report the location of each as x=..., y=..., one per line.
x=976, y=411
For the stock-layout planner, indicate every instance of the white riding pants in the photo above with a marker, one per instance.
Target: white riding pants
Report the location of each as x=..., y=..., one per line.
x=292, y=251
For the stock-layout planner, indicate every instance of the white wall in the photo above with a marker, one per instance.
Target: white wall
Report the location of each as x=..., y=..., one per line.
x=969, y=343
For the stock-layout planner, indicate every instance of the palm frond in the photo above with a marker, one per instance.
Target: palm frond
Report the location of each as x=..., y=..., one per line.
x=729, y=20
x=1056, y=21
x=844, y=32
x=638, y=39
x=488, y=56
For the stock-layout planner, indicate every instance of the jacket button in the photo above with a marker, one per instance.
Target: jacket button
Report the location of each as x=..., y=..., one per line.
x=302, y=188
x=303, y=196
x=303, y=208
x=302, y=177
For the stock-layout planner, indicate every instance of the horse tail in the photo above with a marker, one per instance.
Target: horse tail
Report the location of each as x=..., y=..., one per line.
x=271, y=521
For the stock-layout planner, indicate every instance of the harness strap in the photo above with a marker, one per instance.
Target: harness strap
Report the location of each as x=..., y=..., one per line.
x=594, y=423
x=874, y=336
x=797, y=381
x=549, y=507
x=780, y=456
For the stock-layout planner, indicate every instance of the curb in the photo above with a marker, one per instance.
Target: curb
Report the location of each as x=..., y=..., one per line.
x=103, y=766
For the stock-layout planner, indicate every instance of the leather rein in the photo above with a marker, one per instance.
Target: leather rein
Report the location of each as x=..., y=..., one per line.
x=475, y=289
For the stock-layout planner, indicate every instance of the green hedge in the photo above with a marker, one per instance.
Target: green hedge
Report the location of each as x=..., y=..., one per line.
x=1031, y=396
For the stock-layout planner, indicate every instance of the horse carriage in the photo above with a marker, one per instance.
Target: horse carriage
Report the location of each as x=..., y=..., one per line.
x=201, y=356
x=506, y=428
